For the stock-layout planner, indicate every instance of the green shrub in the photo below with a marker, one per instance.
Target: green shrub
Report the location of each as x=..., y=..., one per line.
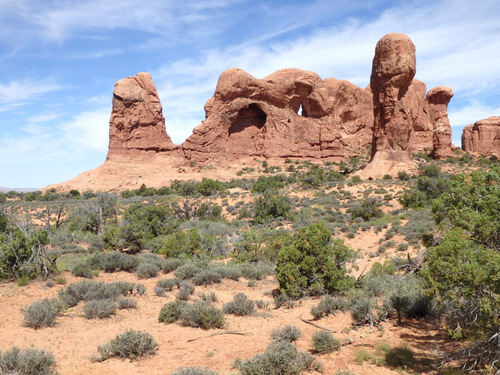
x=131, y=344
x=324, y=342
x=124, y=287
x=280, y=358
x=171, y=264
x=207, y=277
x=368, y=209
x=329, y=305
x=147, y=270
x=403, y=176
x=272, y=206
x=168, y=284
x=361, y=309
x=187, y=271
x=27, y=362
x=82, y=269
x=126, y=303
x=239, y=306
x=114, y=261
x=287, y=333
x=171, y=312
x=362, y=355
x=313, y=263
x=42, y=313
x=230, y=271
x=261, y=304
x=209, y=187
x=61, y=280
x=159, y=291
x=193, y=371
x=256, y=271
x=186, y=289
x=261, y=244
x=87, y=290
x=202, y=315
x=267, y=183
x=141, y=289
x=100, y=308
x=208, y=297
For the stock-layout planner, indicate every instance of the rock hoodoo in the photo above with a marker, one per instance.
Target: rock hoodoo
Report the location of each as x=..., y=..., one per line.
x=483, y=137
x=137, y=124
x=405, y=119
x=437, y=102
x=290, y=113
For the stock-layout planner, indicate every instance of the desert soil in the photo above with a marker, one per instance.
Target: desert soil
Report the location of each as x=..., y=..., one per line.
x=74, y=339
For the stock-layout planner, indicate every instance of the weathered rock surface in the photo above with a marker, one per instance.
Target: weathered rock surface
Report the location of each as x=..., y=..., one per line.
x=291, y=112
x=137, y=124
x=437, y=102
x=482, y=137
x=406, y=121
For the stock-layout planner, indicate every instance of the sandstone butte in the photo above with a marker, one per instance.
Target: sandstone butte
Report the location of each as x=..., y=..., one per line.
x=482, y=137
x=291, y=113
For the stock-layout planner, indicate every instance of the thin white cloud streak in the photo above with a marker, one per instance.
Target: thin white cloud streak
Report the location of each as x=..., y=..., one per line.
x=21, y=91
x=60, y=21
x=44, y=139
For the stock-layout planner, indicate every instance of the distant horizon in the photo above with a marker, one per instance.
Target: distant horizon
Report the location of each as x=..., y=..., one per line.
x=61, y=60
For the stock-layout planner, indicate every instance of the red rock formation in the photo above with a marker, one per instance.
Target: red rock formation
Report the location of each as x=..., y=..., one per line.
x=482, y=137
x=394, y=97
x=288, y=113
x=137, y=124
x=437, y=102
x=405, y=120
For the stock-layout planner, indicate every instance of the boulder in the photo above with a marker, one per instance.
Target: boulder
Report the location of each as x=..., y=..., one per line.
x=482, y=137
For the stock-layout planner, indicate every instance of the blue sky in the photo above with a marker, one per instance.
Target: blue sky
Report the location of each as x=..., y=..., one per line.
x=60, y=59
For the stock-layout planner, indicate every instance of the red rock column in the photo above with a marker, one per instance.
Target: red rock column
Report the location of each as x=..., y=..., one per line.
x=393, y=69
x=437, y=100
x=137, y=124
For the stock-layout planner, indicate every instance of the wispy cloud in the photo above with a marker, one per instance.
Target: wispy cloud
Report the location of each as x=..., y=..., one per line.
x=21, y=91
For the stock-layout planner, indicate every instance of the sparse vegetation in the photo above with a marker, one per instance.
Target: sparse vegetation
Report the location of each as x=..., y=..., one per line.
x=27, y=362
x=42, y=313
x=240, y=305
x=131, y=345
x=281, y=227
x=324, y=342
x=280, y=358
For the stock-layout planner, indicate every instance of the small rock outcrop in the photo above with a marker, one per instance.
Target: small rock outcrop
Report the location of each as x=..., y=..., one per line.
x=137, y=124
x=482, y=137
x=291, y=112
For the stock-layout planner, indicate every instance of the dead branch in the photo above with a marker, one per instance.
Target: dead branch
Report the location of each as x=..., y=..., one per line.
x=220, y=333
x=318, y=326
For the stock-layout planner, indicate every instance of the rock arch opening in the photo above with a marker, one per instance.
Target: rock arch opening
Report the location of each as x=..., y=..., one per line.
x=247, y=118
x=245, y=132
